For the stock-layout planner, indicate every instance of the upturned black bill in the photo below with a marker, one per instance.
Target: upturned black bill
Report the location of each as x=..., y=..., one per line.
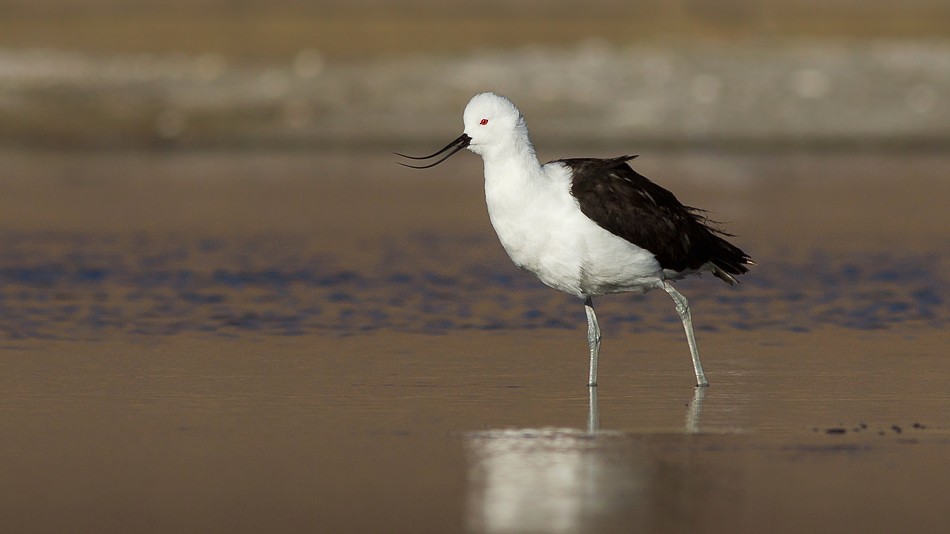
x=460, y=143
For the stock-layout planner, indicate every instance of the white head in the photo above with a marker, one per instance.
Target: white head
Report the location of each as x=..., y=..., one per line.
x=493, y=127
x=494, y=124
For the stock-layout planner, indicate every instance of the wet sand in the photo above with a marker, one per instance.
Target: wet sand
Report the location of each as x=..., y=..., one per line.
x=290, y=342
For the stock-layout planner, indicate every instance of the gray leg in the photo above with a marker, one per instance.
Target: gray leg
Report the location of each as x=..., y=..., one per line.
x=593, y=413
x=682, y=308
x=695, y=411
x=593, y=339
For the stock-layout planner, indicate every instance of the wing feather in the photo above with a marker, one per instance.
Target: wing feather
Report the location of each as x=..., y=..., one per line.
x=627, y=204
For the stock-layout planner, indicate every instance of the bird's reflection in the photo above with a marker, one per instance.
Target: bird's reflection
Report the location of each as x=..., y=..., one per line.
x=561, y=479
x=693, y=414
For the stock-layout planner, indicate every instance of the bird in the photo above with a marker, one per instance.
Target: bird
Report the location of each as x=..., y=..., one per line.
x=588, y=226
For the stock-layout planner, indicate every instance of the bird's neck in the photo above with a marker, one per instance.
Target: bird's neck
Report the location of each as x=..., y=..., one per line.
x=512, y=163
x=513, y=178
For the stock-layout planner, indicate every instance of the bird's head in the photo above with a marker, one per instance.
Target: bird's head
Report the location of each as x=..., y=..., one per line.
x=492, y=124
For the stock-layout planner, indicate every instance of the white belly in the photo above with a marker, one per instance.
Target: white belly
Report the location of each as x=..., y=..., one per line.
x=543, y=231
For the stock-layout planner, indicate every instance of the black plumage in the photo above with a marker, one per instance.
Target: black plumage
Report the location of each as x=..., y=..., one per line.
x=629, y=205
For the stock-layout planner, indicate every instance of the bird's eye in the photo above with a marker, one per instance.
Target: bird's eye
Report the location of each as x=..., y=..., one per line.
x=483, y=122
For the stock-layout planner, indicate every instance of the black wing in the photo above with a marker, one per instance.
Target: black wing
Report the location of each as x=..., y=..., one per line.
x=629, y=205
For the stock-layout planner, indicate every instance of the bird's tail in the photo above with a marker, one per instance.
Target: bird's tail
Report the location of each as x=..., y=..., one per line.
x=729, y=261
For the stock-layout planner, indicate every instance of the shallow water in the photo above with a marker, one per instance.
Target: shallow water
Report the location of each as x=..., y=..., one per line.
x=409, y=433
x=246, y=342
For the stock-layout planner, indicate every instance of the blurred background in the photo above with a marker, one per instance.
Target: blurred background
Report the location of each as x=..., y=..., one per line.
x=370, y=73
x=248, y=144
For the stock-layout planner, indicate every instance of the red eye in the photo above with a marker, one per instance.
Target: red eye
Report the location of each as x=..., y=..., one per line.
x=483, y=122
